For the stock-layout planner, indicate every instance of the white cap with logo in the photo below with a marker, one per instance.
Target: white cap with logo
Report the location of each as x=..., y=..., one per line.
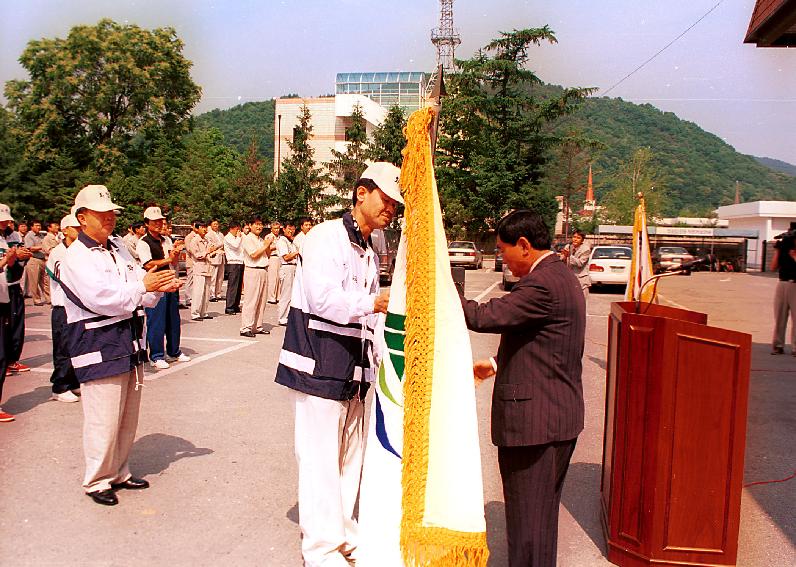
x=385, y=175
x=153, y=213
x=69, y=220
x=95, y=198
x=5, y=213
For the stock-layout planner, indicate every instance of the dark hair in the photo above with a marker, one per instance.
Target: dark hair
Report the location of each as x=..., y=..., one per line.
x=256, y=219
x=198, y=222
x=136, y=225
x=302, y=220
x=368, y=184
x=579, y=232
x=524, y=223
x=234, y=224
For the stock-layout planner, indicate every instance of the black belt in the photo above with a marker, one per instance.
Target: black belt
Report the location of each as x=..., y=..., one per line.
x=289, y=264
x=257, y=267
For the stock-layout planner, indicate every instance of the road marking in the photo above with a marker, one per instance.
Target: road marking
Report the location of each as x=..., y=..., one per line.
x=674, y=303
x=182, y=337
x=151, y=375
x=483, y=294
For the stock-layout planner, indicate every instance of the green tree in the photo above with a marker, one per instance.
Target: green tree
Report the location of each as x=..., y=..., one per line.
x=496, y=131
x=253, y=187
x=300, y=189
x=90, y=94
x=388, y=139
x=206, y=177
x=346, y=167
x=637, y=176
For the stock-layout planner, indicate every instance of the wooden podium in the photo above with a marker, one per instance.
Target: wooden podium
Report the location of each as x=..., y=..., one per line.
x=675, y=426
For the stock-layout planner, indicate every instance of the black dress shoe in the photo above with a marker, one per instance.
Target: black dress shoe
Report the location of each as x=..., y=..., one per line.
x=213, y=299
x=104, y=497
x=248, y=334
x=207, y=317
x=229, y=311
x=132, y=483
x=263, y=332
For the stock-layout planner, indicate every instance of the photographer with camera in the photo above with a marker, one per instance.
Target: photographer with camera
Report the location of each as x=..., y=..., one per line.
x=784, y=261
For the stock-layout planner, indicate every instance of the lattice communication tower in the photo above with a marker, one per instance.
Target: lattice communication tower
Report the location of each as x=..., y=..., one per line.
x=445, y=38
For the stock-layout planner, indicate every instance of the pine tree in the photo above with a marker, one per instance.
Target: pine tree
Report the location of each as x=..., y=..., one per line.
x=346, y=167
x=388, y=139
x=300, y=189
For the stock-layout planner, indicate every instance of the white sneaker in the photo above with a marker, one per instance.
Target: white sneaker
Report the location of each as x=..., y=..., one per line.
x=160, y=364
x=183, y=358
x=67, y=396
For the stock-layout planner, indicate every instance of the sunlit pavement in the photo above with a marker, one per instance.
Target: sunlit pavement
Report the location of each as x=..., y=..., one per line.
x=215, y=441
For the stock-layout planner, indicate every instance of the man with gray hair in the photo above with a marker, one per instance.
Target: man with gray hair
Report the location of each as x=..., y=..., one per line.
x=105, y=291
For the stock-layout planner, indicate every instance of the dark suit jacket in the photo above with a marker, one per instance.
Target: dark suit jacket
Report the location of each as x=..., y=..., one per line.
x=538, y=396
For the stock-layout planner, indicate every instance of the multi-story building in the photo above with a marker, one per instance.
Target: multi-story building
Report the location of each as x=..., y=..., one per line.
x=375, y=93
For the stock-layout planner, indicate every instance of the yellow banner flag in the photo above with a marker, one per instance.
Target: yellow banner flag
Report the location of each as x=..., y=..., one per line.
x=641, y=265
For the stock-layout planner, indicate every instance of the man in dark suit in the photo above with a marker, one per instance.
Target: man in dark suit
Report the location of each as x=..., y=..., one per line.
x=537, y=402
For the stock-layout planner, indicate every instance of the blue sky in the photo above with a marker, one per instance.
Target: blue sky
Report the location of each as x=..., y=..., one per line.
x=246, y=50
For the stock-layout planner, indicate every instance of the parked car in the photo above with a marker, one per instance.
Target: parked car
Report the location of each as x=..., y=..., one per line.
x=610, y=264
x=385, y=243
x=498, y=260
x=667, y=257
x=465, y=253
x=509, y=279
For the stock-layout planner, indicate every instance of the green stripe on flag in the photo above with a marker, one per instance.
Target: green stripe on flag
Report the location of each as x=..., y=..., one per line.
x=394, y=341
x=398, y=364
x=383, y=385
x=395, y=322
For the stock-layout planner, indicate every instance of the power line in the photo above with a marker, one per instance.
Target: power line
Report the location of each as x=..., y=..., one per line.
x=623, y=79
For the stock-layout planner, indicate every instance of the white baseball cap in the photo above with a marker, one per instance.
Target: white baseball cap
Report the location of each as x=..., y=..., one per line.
x=5, y=213
x=153, y=213
x=385, y=175
x=95, y=198
x=69, y=220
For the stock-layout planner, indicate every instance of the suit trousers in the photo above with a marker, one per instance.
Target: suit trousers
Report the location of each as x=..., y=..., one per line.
x=274, y=263
x=234, y=287
x=110, y=419
x=163, y=322
x=254, y=280
x=286, y=273
x=784, y=309
x=38, y=281
x=216, y=280
x=63, y=377
x=187, y=289
x=533, y=477
x=329, y=451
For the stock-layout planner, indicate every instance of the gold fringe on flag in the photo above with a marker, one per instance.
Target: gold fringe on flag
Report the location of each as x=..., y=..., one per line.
x=427, y=546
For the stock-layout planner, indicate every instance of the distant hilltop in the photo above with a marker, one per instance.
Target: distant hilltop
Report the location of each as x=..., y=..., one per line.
x=697, y=169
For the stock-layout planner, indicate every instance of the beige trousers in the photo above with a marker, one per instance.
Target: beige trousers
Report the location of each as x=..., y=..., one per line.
x=200, y=293
x=38, y=280
x=329, y=450
x=254, y=280
x=274, y=263
x=216, y=280
x=784, y=309
x=110, y=419
x=286, y=273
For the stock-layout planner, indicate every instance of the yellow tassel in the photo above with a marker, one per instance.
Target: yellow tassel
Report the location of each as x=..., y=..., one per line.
x=423, y=546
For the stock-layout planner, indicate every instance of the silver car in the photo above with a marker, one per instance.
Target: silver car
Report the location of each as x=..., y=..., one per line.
x=465, y=253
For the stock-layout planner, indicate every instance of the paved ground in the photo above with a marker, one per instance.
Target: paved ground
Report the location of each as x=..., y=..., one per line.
x=215, y=441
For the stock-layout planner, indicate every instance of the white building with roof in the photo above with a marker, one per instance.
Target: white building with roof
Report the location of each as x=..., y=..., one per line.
x=769, y=218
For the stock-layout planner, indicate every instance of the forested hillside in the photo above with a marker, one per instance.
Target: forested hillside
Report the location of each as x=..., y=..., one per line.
x=698, y=170
x=777, y=165
x=240, y=124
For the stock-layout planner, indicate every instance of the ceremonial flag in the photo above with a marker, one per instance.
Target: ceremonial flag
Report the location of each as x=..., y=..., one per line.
x=421, y=502
x=641, y=264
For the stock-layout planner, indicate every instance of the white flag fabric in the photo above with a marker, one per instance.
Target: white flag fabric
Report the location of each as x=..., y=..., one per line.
x=421, y=502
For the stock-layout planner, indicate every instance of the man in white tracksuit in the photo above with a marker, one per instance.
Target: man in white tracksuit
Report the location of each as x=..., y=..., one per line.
x=327, y=359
